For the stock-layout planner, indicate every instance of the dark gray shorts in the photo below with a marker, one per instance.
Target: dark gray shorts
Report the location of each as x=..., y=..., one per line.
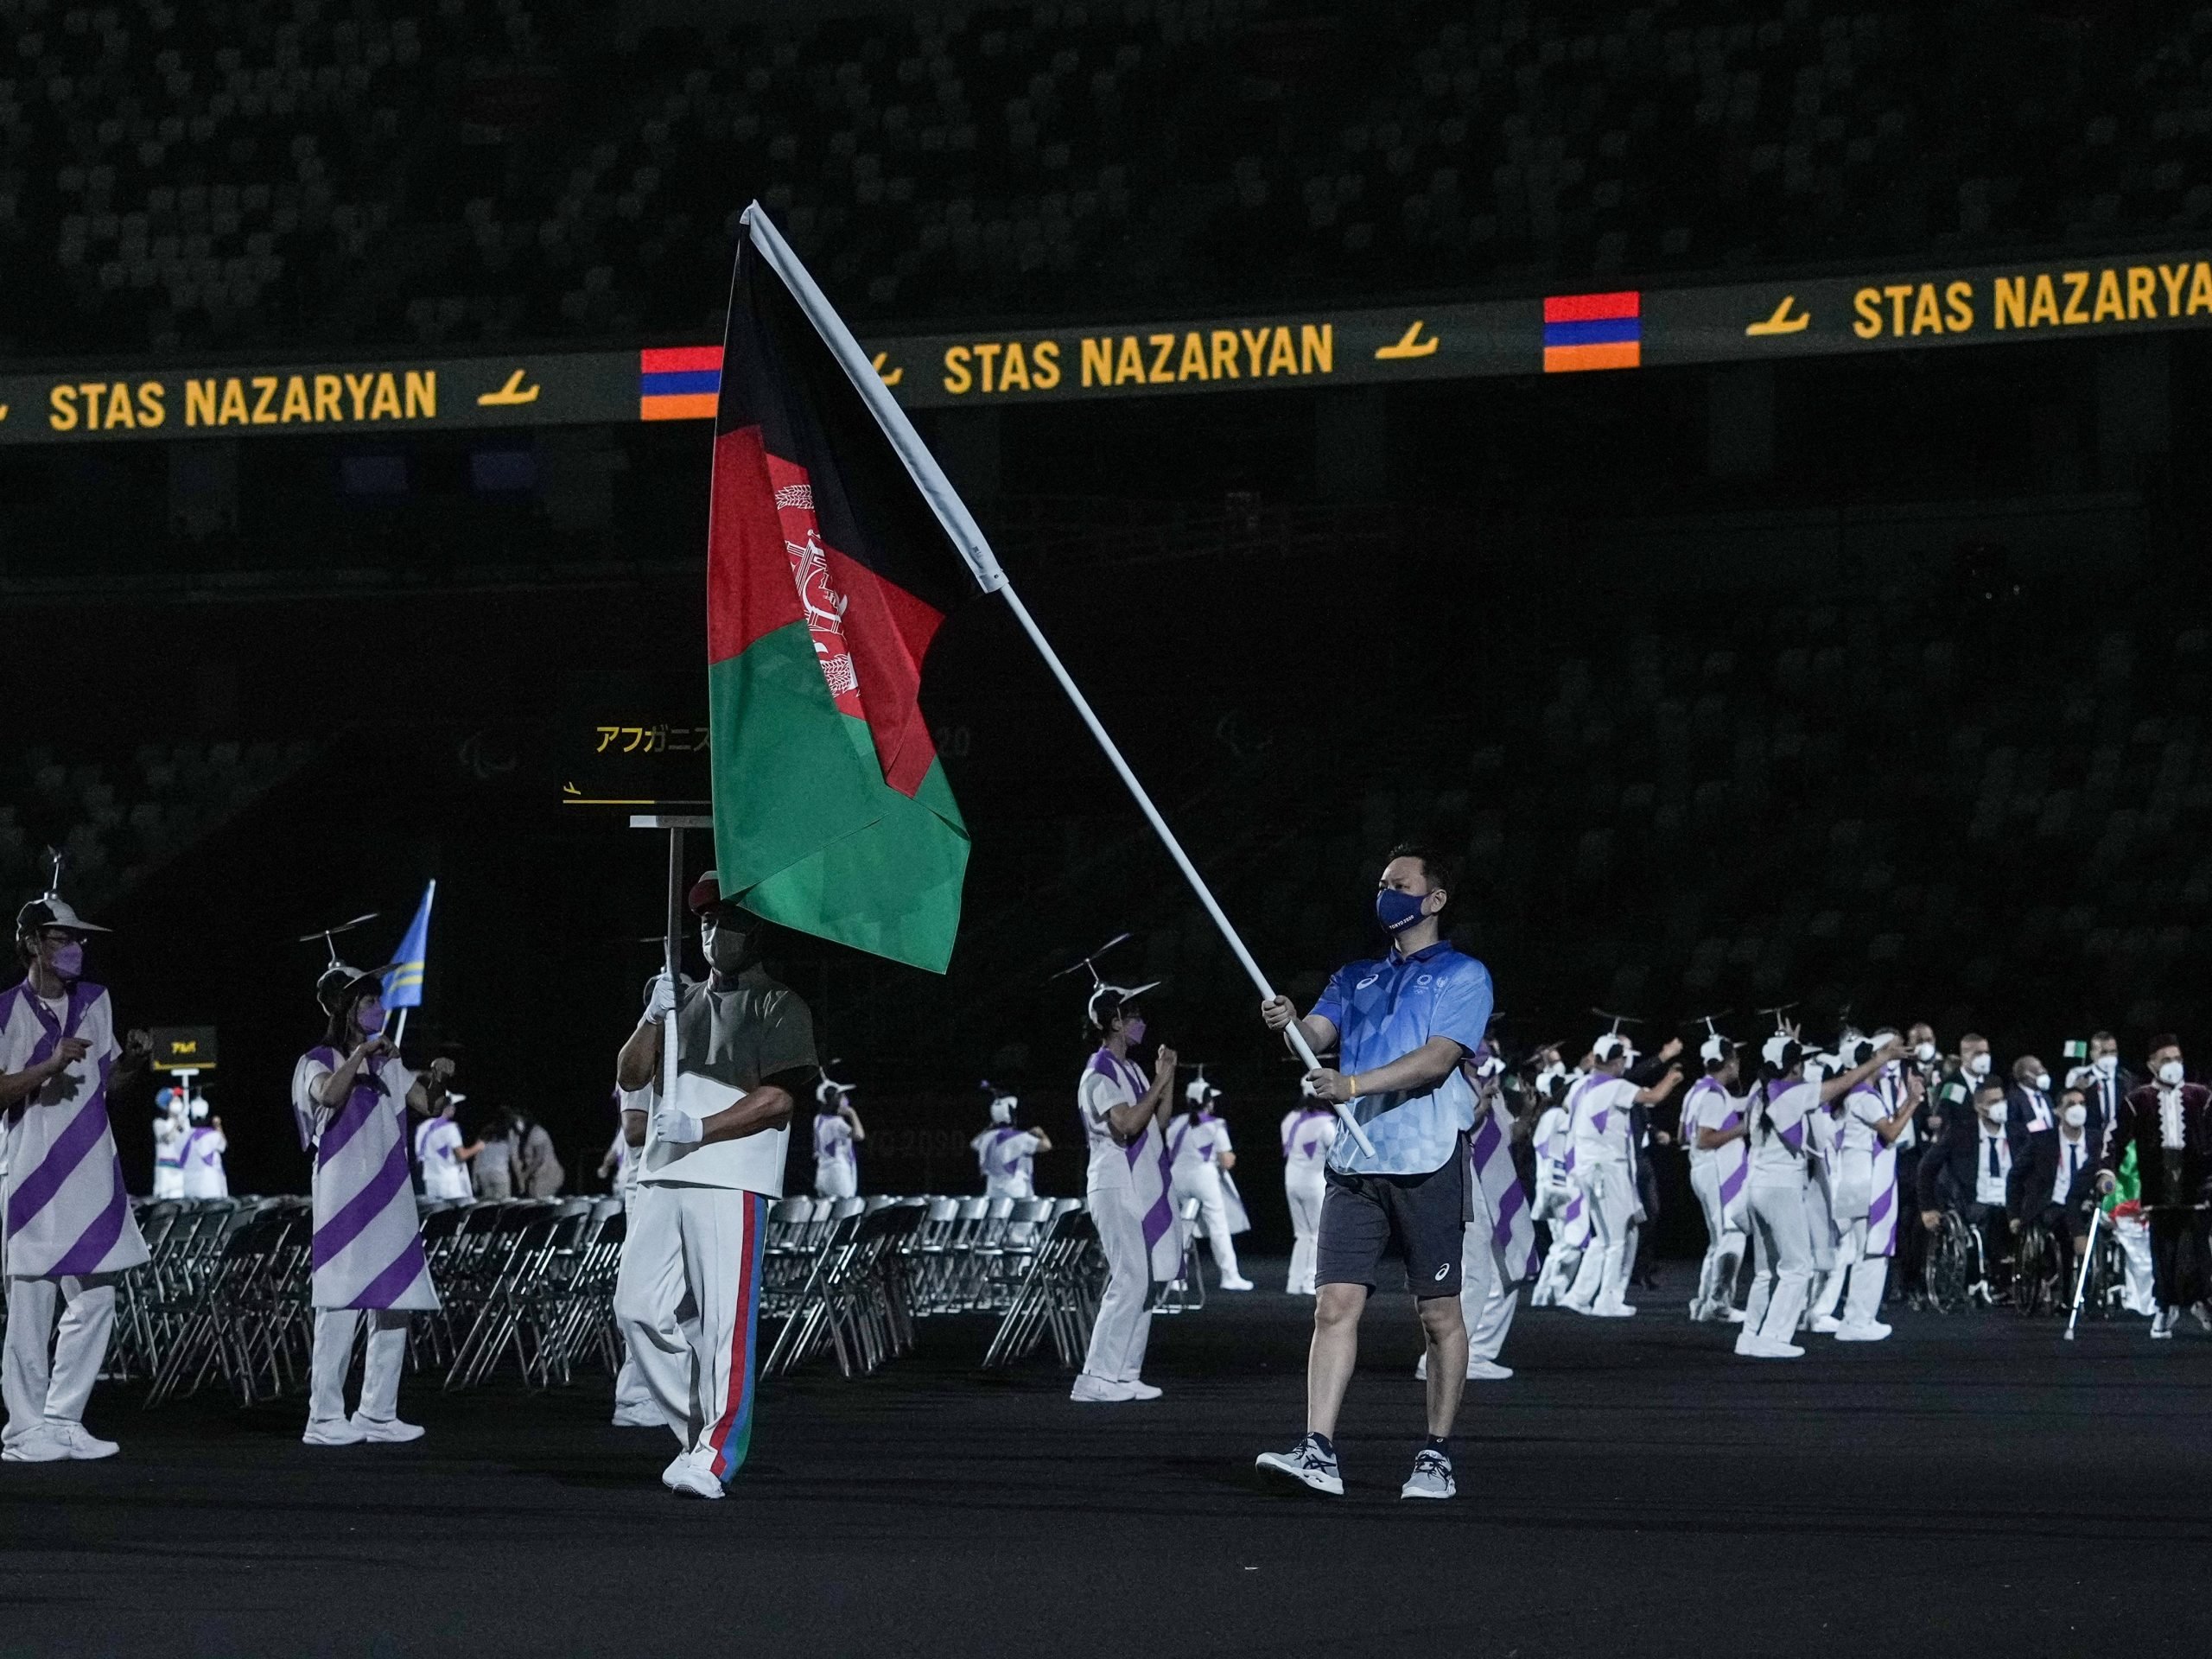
x=1423, y=1218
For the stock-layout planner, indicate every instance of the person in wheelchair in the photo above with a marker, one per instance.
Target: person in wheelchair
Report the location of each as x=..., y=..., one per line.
x=2053, y=1184
x=1969, y=1173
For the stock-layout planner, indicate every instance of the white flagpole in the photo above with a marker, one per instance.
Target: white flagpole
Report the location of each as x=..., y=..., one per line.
x=952, y=513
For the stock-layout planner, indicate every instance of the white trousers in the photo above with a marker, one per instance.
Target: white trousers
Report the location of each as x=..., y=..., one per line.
x=1489, y=1295
x=1828, y=1296
x=50, y=1373
x=1602, y=1279
x=1204, y=1184
x=2134, y=1237
x=168, y=1181
x=838, y=1181
x=1305, y=1195
x=687, y=1300
x=1870, y=1275
x=1725, y=1236
x=1785, y=1260
x=334, y=1329
x=1124, y=1325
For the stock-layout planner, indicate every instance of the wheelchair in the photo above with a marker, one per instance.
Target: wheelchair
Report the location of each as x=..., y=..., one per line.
x=2042, y=1277
x=1959, y=1270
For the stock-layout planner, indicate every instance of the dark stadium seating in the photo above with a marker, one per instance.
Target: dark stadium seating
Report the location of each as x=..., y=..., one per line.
x=284, y=172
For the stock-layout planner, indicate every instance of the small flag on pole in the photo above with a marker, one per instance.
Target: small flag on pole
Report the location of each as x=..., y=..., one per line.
x=828, y=574
x=403, y=982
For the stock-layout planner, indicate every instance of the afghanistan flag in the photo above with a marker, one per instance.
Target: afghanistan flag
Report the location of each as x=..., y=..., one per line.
x=828, y=576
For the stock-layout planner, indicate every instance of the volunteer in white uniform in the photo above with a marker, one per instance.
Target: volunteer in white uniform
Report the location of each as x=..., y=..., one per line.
x=442, y=1158
x=350, y=1096
x=837, y=1130
x=1200, y=1157
x=1308, y=1135
x=204, y=1174
x=1560, y=1203
x=70, y=1235
x=1123, y=1116
x=1601, y=1110
x=635, y=1405
x=1781, y=1108
x=1875, y=1113
x=1006, y=1153
x=1500, y=1249
x=1713, y=1131
x=172, y=1122
x=687, y=1296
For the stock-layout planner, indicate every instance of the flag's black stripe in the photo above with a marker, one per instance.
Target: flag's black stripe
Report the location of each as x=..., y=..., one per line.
x=778, y=374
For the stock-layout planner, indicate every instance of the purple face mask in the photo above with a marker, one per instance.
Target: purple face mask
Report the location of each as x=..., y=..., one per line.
x=68, y=959
x=1133, y=1030
x=368, y=1014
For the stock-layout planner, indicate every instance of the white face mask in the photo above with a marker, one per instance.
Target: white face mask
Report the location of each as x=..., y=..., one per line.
x=2076, y=1117
x=2041, y=1081
x=1978, y=1066
x=2104, y=1065
x=1994, y=1111
x=2169, y=1073
x=1924, y=1052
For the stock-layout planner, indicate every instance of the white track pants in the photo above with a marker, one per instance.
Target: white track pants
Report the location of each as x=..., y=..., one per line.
x=50, y=1373
x=1117, y=1340
x=1725, y=1236
x=837, y=1180
x=1870, y=1275
x=334, y=1329
x=1785, y=1258
x=2134, y=1238
x=1602, y=1279
x=1849, y=1262
x=1304, y=1196
x=1204, y=1184
x=688, y=1300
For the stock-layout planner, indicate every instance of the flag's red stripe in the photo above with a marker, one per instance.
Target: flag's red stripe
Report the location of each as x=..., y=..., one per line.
x=1586, y=308
x=664, y=359
x=889, y=631
x=749, y=589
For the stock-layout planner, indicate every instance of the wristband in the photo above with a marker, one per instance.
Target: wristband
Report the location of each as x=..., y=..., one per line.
x=1351, y=1082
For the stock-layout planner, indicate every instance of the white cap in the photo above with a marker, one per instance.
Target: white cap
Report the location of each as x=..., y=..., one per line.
x=1608, y=1045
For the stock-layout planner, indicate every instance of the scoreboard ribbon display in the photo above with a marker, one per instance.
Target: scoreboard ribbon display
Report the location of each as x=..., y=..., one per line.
x=1615, y=331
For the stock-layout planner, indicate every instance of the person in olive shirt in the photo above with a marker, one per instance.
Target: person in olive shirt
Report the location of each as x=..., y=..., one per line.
x=689, y=1293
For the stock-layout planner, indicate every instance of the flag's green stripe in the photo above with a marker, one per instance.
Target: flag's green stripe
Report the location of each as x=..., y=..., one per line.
x=806, y=827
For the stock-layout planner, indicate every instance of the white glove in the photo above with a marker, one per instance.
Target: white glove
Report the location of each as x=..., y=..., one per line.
x=678, y=1127
x=660, y=1000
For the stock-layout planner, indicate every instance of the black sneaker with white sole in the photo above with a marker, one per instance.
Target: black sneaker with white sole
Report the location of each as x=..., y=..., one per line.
x=1311, y=1462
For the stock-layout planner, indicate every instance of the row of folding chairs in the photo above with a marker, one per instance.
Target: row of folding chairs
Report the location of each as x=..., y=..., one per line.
x=525, y=1280
x=240, y=1316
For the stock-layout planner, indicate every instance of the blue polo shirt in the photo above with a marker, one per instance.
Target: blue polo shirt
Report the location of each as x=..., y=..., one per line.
x=1383, y=1010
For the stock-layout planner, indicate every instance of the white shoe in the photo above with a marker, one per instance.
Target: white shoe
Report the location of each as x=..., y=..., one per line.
x=1420, y=1368
x=639, y=1417
x=1732, y=1316
x=2162, y=1324
x=1827, y=1325
x=388, y=1431
x=1487, y=1370
x=1140, y=1390
x=1583, y=1309
x=1306, y=1464
x=35, y=1446
x=333, y=1430
x=1236, y=1284
x=78, y=1442
x=1773, y=1350
x=1611, y=1310
x=1871, y=1331
x=1091, y=1391
x=689, y=1476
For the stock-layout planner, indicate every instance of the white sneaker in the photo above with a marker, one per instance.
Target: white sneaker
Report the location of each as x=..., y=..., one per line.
x=1432, y=1476
x=1874, y=1330
x=34, y=1446
x=1420, y=1368
x=1236, y=1284
x=1091, y=1391
x=333, y=1430
x=1827, y=1325
x=78, y=1442
x=1306, y=1464
x=1773, y=1350
x=389, y=1431
x=1611, y=1310
x=689, y=1476
x=1487, y=1370
x=1140, y=1390
x=1732, y=1316
x=639, y=1417
x=1583, y=1309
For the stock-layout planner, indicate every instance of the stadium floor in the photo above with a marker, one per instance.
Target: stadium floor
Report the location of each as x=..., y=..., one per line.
x=1972, y=1484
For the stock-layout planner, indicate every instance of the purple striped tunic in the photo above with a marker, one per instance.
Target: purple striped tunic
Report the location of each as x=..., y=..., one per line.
x=1147, y=1157
x=368, y=1241
x=1489, y=1149
x=67, y=1213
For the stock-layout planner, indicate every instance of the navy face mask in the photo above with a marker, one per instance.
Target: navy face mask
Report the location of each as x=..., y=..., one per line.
x=1398, y=911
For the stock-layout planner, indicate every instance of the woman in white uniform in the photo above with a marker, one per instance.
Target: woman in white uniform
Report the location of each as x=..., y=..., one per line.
x=1308, y=1135
x=352, y=1094
x=1781, y=1109
x=1872, y=1115
x=1006, y=1153
x=442, y=1159
x=204, y=1174
x=1558, y=1200
x=1713, y=1130
x=1126, y=1191
x=1200, y=1157
x=837, y=1130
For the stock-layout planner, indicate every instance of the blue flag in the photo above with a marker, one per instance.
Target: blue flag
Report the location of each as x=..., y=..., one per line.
x=403, y=986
